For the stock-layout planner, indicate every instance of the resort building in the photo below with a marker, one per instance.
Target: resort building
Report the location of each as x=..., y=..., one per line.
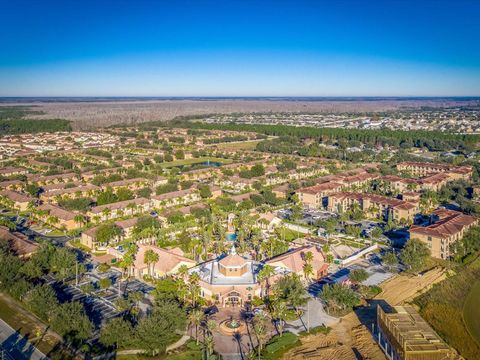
x=229, y=280
x=169, y=261
x=447, y=227
x=295, y=260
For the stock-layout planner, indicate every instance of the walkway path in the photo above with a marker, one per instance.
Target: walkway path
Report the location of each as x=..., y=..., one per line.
x=17, y=345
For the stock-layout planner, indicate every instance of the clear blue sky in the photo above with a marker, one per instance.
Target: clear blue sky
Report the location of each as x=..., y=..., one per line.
x=239, y=48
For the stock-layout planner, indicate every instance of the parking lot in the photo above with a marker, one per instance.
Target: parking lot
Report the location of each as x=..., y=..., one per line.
x=309, y=216
x=377, y=272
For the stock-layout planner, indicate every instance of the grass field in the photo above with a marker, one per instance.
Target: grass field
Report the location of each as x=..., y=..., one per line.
x=194, y=161
x=443, y=307
x=471, y=312
x=26, y=324
x=244, y=145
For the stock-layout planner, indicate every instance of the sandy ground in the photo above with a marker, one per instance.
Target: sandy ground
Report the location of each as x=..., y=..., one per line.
x=351, y=337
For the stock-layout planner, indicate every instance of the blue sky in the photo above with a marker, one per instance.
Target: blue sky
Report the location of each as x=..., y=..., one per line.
x=240, y=48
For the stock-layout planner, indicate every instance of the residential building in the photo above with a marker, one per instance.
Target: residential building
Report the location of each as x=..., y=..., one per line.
x=316, y=196
x=18, y=200
x=65, y=218
x=423, y=169
x=19, y=243
x=120, y=208
x=373, y=205
x=447, y=227
x=180, y=197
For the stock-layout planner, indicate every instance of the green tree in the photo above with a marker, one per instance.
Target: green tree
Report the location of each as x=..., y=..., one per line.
x=107, y=232
x=205, y=191
x=415, y=254
x=159, y=329
x=280, y=314
x=291, y=290
x=117, y=332
x=358, y=275
x=41, y=300
x=69, y=320
x=390, y=259
x=105, y=283
x=340, y=298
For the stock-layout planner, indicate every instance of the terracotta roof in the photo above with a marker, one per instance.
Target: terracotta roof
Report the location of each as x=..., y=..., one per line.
x=19, y=242
x=232, y=260
x=173, y=195
x=119, y=205
x=16, y=196
x=378, y=199
x=125, y=224
x=294, y=259
x=124, y=182
x=320, y=188
x=58, y=212
x=450, y=223
x=167, y=259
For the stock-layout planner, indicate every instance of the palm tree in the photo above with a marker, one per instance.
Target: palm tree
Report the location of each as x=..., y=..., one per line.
x=79, y=219
x=193, y=287
x=183, y=271
x=196, y=318
x=307, y=271
x=261, y=332
x=148, y=259
x=106, y=212
x=307, y=267
x=279, y=312
x=264, y=274
x=209, y=344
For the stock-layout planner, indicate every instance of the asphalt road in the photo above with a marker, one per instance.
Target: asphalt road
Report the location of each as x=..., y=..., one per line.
x=17, y=346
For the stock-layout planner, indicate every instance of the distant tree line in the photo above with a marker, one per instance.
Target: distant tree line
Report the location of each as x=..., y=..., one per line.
x=433, y=140
x=30, y=126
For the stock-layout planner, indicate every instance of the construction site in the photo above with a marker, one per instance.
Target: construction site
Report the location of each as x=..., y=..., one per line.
x=404, y=335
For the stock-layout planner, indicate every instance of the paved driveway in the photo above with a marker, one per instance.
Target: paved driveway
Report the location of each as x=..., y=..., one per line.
x=314, y=315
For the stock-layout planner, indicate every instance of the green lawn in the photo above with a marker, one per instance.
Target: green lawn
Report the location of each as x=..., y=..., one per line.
x=288, y=234
x=244, y=145
x=28, y=325
x=471, y=312
x=194, y=161
x=448, y=303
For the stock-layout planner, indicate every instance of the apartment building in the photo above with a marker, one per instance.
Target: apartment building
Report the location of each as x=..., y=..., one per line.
x=72, y=192
x=316, y=196
x=447, y=227
x=373, y=205
x=180, y=197
x=64, y=217
x=423, y=169
x=120, y=208
x=18, y=200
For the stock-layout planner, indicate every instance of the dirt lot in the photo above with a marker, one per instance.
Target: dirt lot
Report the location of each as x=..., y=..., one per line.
x=351, y=338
